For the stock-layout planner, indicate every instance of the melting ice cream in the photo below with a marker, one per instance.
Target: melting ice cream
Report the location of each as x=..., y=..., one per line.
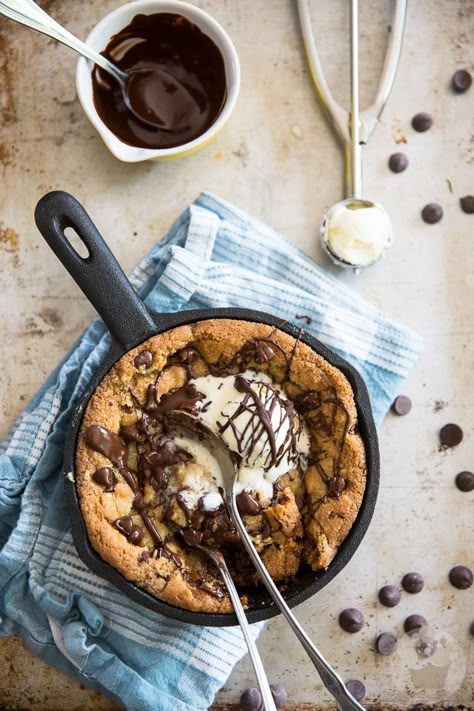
x=259, y=425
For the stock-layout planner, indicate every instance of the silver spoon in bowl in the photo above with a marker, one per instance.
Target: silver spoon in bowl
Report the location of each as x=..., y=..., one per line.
x=188, y=425
x=144, y=89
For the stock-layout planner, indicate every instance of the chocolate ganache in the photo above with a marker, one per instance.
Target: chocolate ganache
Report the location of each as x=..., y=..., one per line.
x=185, y=84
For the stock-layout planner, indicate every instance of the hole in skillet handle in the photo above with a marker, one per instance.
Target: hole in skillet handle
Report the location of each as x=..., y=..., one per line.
x=307, y=582
x=77, y=243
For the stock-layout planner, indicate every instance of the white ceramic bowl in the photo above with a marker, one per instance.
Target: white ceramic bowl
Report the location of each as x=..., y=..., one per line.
x=120, y=18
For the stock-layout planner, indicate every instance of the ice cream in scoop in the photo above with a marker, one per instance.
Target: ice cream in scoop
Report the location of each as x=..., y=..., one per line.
x=357, y=233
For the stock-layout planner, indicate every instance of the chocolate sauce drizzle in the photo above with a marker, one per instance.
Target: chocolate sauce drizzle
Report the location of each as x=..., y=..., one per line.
x=261, y=402
x=313, y=405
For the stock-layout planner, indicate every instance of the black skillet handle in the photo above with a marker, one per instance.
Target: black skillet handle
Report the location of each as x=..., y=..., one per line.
x=99, y=275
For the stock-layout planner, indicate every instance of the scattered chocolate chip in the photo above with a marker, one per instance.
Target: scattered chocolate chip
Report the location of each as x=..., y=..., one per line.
x=401, y=405
x=398, y=162
x=143, y=358
x=351, y=620
x=467, y=204
x=251, y=700
x=386, y=644
x=432, y=213
x=124, y=525
x=472, y=628
x=413, y=583
x=280, y=695
x=461, y=577
x=389, y=595
x=422, y=122
x=336, y=486
x=450, y=435
x=414, y=623
x=465, y=481
x=357, y=689
x=105, y=477
x=136, y=535
x=461, y=81
x=247, y=505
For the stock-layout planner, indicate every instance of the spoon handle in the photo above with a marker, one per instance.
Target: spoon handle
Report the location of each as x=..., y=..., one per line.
x=267, y=698
x=331, y=680
x=28, y=13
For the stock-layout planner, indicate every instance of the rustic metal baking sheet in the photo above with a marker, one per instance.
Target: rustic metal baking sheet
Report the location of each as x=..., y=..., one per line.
x=278, y=160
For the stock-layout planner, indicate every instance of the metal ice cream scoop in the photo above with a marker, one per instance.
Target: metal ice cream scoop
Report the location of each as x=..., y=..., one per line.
x=351, y=238
x=191, y=426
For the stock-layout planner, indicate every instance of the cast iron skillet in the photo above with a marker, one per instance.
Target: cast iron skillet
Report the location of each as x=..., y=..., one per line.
x=129, y=322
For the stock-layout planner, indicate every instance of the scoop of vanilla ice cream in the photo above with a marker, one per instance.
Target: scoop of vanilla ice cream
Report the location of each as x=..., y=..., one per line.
x=358, y=233
x=257, y=423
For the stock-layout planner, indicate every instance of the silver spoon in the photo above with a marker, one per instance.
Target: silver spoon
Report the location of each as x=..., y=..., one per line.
x=190, y=426
x=143, y=90
x=218, y=560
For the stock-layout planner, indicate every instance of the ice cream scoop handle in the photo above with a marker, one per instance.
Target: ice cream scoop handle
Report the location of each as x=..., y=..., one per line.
x=331, y=680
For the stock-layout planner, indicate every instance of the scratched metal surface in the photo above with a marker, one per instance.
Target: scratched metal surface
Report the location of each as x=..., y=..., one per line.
x=278, y=160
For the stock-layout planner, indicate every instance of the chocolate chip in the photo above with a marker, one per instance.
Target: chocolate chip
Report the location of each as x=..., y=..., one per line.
x=465, y=481
x=450, y=435
x=124, y=525
x=461, y=577
x=461, y=81
x=413, y=583
x=351, y=620
x=136, y=535
x=401, y=405
x=336, y=486
x=263, y=352
x=398, y=162
x=309, y=400
x=192, y=537
x=414, y=623
x=432, y=213
x=251, y=700
x=247, y=504
x=422, y=122
x=188, y=355
x=143, y=358
x=472, y=628
x=280, y=695
x=389, y=595
x=467, y=204
x=386, y=644
x=357, y=689
x=105, y=477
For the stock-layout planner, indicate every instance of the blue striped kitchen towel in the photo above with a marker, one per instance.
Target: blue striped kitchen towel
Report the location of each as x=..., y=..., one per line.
x=214, y=255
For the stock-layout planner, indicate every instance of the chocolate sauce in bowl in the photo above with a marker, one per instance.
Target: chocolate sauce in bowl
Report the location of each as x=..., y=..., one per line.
x=167, y=44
